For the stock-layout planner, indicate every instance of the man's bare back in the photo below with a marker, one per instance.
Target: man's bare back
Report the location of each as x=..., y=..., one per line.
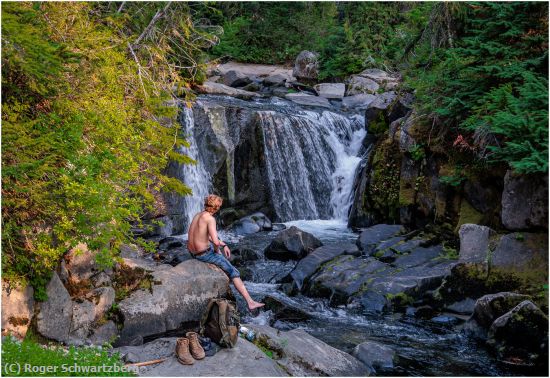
x=198, y=232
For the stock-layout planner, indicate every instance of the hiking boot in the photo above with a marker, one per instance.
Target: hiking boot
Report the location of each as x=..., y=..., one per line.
x=182, y=351
x=195, y=346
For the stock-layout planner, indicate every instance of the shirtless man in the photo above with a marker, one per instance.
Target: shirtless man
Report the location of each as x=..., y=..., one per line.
x=202, y=231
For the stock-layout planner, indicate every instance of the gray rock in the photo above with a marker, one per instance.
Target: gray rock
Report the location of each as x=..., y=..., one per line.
x=465, y=306
x=279, y=226
x=521, y=251
x=307, y=266
x=170, y=242
x=445, y=319
x=17, y=309
x=306, y=65
x=56, y=313
x=491, y=306
x=474, y=243
x=236, y=79
x=379, y=356
x=386, y=80
x=383, y=101
x=80, y=263
x=101, y=279
x=279, y=92
x=524, y=201
x=304, y=355
x=372, y=236
x=331, y=90
x=130, y=251
x=102, y=298
x=179, y=294
x=252, y=87
x=245, y=226
x=524, y=327
x=217, y=88
x=106, y=333
x=358, y=101
x=285, y=310
x=291, y=243
x=83, y=316
x=308, y=100
x=361, y=85
x=275, y=80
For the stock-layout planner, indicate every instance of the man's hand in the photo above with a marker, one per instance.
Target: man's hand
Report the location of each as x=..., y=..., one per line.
x=227, y=252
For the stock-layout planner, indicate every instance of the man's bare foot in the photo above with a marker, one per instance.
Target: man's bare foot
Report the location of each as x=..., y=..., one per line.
x=252, y=305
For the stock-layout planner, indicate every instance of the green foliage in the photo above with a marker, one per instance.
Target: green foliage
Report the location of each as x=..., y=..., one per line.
x=87, y=125
x=417, y=152
x=28, y=358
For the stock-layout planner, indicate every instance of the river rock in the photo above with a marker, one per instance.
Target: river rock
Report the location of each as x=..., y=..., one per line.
x=106, y=333
x=216, y=88
x=331, y=90
x=465, y=306
x=56, y=313
x=358, y=101
x=179, y=294
x=524, y=201
x=283, y=310
x=291, y=243
x=17, y=309
x=168, y=243
x=372, y=236
x=308, y=100
x=376, y=355
x=306, y=65
x=307, y=266
x=244, y=360
x=474, y=243
x=523, y=329
x=303, y=355
x=361, y=85
x=245, y=226
x=275, y=80
x=521, y=252
x=491, y=306
x=236, y=79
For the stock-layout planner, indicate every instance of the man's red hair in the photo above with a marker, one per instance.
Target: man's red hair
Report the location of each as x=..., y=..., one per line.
x=212, y=203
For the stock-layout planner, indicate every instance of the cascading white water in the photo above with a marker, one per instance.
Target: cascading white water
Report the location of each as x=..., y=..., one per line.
x=192, y=175
x=311, y=159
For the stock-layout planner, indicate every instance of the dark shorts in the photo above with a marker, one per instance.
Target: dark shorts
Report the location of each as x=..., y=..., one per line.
x=219, y=260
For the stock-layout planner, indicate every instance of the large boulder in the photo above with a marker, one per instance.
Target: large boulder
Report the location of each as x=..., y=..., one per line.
x=17, y=309
x=105, y=333
x=303, y=355
x=251, y=224
x=361, y=85
x=291, y=243
x=331, y=90
x=376, y=355
x=524, y=201
x=521, y=252
x=102, y=298
x=474, y=243
x=83, y=316
x=308, y=100
x=377, y=114
x=307, y=266
x=384, y=79
x=357, y=102
x=369, y=239
x=235, y=78
x=55, y=314
x=178, y=295
x=306, y=66
x=521, y=332
x=491, y=306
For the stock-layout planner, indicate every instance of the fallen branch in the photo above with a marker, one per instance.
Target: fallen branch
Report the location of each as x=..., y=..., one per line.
x=139, y=69
x=157, y=15
x=145, y=363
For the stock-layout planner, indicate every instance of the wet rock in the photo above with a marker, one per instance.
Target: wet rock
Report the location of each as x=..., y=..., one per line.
x=307, y=266
x=521, y=251
x=400, y=107
x=372, y=302
x=465, y=306
x=278, y=226
x=376, y=355
x=170, y=243
x=17, y=309
x=217, y=88
x=308, y=100
x=331, y=90
x=358, y=101
x=303, y=355
x=445, y=319
x=372, y=236
x=474, y=243
x=418, y=256
x=56, y=313
x=306, y=66
x=285, y=311
x=524, y=201
x=361, y=85
x=491, y=306
x=424, y=312
x=236, y=79
x=106, y=333
x=243, y=255
x=291, y=243
x=522, y=331
x=83, y=316
x=178, y=294
x=275, y=80
x=245, y=226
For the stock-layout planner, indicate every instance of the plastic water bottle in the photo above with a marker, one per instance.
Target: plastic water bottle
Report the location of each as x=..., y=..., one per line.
x=248, y=334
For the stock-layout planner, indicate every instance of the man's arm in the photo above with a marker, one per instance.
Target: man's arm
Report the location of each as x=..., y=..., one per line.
x=213, y=235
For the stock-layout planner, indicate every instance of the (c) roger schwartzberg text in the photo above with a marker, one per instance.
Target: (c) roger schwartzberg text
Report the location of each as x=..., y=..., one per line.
x=25, y=369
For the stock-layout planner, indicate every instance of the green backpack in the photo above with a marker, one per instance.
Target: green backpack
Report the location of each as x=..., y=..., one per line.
x=221, y=322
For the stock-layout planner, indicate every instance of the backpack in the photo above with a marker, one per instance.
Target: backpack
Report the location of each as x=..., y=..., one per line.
x=221, y=322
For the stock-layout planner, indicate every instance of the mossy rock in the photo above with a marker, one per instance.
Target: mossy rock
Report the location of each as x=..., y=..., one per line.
x=468, y=215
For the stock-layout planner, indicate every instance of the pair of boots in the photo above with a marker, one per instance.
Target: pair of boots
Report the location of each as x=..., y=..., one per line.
x=188, y=349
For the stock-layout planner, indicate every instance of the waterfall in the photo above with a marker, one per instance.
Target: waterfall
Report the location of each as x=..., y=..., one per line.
x=192, y=175
x=311, y=159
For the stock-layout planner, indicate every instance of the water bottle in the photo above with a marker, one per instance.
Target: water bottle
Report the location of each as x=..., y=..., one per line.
x=248, y=334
